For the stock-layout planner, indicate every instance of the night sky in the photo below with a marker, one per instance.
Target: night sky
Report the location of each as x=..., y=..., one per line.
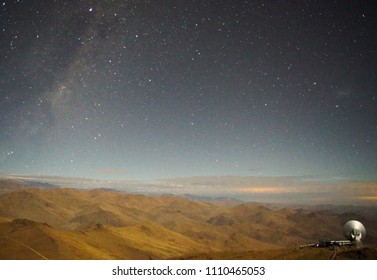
x=143, y=90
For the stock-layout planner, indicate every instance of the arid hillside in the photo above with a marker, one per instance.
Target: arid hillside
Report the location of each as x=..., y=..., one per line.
x=57, y=223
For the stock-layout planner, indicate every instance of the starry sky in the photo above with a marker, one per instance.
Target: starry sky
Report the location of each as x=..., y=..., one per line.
x=144, y=90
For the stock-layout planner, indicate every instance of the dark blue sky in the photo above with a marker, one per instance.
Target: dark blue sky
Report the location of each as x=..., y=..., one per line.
x=157, y=89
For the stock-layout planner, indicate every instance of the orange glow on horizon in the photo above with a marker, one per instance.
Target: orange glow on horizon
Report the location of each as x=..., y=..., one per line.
x=369, y=197
x=265, y=189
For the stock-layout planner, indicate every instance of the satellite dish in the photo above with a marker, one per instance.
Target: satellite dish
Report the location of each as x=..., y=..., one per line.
x=354, y=231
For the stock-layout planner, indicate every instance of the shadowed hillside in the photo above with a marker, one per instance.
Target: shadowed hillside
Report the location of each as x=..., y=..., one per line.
x=56, y=223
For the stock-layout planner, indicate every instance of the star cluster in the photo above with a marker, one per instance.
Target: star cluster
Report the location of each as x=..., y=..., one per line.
x=157, y=89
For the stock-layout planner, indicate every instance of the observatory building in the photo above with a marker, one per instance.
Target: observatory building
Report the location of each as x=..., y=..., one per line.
x=354, y=231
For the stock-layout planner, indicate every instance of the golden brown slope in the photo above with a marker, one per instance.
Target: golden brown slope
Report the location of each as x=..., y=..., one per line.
x=99, y=224
x=25, y=239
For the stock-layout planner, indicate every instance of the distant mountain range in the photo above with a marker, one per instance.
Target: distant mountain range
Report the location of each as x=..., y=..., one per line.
x=276, y=190
x=42, y=221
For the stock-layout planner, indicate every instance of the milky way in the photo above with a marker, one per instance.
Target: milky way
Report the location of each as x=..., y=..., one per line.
x=158, y=89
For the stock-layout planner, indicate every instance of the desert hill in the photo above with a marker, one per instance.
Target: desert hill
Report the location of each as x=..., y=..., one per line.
x=25, y=239
x=59, y=223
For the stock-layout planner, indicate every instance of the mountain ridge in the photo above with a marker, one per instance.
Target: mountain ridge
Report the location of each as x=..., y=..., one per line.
x=67, y=223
